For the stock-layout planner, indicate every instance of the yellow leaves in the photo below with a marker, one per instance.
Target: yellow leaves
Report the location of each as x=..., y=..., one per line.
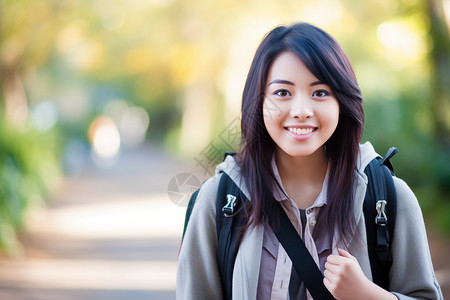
x=180, y=62
x=405, y=40
x=139, y=60
x=114, y=17
x=81, y=52
x=184, y=64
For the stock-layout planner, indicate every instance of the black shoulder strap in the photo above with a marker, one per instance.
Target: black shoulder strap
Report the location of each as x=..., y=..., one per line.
x=229, y=219
x=302, y=260
x=189, y=210
x=194, y=196
x=380, y=207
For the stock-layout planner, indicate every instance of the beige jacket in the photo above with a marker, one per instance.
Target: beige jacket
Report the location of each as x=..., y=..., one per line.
x=411, y=277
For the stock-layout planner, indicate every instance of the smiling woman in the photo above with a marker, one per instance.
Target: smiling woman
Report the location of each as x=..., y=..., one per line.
x=301, y=166
x=308, y=110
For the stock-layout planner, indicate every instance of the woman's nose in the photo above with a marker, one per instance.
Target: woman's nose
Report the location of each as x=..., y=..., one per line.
x=301, y=107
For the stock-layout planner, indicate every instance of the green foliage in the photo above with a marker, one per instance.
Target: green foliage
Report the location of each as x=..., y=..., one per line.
x=403, y=123
x=185, y=63
x=28, y=169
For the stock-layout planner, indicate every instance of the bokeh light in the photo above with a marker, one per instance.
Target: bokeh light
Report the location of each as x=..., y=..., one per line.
x=133, y=126
x=104, y=137
x=404, y=42
x=44, y=116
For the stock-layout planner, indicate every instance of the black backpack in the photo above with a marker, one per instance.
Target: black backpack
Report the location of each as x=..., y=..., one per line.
x=380, y=205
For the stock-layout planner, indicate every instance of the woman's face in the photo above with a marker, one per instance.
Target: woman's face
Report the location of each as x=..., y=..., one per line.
x=300, y=112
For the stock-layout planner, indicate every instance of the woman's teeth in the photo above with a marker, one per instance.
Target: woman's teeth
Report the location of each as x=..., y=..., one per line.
x=301, y=131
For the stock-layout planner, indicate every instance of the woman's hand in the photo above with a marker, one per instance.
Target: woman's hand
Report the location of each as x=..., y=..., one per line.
x=345, y=279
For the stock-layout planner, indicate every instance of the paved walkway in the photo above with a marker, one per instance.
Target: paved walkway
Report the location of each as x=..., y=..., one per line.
x=114, y=234
x=107, y=234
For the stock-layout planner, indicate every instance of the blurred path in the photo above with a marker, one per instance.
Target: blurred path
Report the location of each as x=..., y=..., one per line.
x=114, y=234
x=107, y=234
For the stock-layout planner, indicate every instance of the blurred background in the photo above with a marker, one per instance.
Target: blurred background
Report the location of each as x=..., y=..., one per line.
x=113, y=111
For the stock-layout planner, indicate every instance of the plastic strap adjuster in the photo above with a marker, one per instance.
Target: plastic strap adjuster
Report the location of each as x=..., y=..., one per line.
x=381, y=218
x=228, y=209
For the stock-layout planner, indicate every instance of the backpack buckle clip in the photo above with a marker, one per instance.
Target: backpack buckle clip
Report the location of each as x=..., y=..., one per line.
x=381, y=218
x=228, y=209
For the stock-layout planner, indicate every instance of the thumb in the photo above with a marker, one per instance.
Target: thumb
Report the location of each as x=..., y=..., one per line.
x=344, y=253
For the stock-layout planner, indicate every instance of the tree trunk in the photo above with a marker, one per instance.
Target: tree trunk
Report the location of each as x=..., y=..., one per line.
x=16, y=105
x=440, y=72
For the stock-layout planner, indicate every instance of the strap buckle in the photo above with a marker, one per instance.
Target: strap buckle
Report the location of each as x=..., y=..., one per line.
x=381, y=218
x=228, y=209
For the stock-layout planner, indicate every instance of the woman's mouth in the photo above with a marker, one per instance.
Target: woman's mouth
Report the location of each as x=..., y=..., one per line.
x=301, y=131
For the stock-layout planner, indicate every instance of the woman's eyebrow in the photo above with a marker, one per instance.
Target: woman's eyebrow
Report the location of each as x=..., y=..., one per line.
x=318, y=82
x=281, y=81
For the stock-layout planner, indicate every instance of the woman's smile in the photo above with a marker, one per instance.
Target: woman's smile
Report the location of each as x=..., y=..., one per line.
x=301, y=133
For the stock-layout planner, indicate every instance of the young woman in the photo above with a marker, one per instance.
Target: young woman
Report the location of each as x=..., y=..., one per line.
x=302, y=121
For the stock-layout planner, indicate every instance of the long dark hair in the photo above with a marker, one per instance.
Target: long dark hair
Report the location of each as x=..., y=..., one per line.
x=327, y=61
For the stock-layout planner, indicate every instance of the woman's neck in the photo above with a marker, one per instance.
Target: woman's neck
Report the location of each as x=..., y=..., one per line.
x=302, y=177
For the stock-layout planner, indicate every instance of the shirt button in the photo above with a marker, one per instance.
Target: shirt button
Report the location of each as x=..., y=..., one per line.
x=308, y=211
x=313, y=222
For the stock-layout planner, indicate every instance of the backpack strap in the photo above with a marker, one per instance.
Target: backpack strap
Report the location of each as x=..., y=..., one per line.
x=302, y=260
x=380, y=207
x=387, y=158
x=229, y=220
x=189, y=211
x=192, y=200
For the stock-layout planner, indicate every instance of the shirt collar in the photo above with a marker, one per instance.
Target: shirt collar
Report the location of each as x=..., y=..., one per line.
x=280, y=193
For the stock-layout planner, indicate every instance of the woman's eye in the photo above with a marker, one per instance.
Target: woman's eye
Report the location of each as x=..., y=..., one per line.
x=282, y=93
x=321, y=94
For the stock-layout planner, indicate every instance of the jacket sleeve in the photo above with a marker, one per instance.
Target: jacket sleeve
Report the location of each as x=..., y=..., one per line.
x=412, y=274
x=198, y=274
